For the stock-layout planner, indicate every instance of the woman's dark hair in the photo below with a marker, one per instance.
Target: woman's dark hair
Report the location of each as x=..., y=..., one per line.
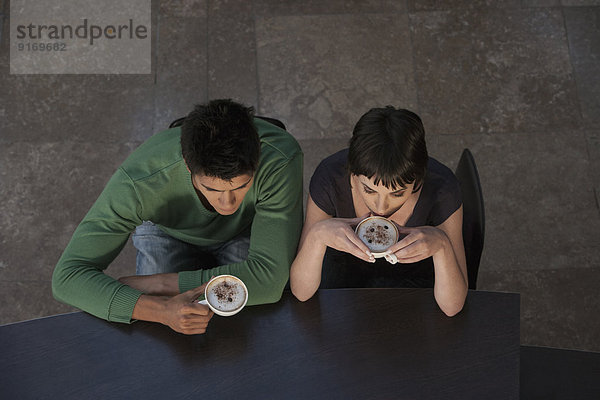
x=389, y=144
x=219, y=140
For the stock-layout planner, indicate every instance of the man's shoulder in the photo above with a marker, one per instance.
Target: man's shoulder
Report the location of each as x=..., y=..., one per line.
x=158, y=152
x=276, y=143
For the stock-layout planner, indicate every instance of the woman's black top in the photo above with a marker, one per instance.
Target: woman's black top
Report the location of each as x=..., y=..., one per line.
x=330, y=190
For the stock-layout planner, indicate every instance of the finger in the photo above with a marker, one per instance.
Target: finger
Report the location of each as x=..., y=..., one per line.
x=197, y=309
x=414, y=259
x=406, y=229
x=197, y=321
x=350, y=247
x=193, y=294
x=354, y=221
x=358, y=243
x=366, y=215
x=195, y=331
x=413, y=250
x=407, y=241
x=391, y=258
x=192, y=327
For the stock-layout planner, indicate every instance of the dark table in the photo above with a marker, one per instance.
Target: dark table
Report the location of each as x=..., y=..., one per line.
x=548, y=373
x=341, y=344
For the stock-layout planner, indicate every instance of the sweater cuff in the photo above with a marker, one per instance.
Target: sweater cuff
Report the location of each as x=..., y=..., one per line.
x=122, y=304
x=189, y=280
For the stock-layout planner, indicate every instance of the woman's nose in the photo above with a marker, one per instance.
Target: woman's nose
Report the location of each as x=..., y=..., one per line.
x=381, y=205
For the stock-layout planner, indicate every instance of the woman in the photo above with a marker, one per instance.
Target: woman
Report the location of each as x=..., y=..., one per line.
x=386, y=171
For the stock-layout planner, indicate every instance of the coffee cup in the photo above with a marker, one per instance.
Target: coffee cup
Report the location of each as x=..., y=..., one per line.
x=225, y=295
x=378, y=234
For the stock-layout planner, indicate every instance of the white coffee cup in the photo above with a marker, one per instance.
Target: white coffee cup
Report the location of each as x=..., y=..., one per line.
x=378, y=234
x=225, y=295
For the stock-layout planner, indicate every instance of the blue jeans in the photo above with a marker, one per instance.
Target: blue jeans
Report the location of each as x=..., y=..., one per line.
x=157, y=252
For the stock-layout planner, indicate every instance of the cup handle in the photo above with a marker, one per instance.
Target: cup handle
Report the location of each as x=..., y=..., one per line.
x=203, y=302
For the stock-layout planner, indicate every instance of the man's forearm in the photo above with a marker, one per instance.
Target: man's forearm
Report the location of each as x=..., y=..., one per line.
x=157, y=285
x=150, y=308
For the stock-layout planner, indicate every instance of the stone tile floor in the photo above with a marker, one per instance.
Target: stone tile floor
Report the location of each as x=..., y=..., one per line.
x=515, y=81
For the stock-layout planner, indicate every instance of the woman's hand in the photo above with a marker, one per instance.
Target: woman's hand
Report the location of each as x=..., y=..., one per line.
x=338, y=233
x=418, y=244
x=444, y=244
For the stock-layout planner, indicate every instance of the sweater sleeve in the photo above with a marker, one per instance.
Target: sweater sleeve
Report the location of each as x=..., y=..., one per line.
x=79, y=278
x=273, y=239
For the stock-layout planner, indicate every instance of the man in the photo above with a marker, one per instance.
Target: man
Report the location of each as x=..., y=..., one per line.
x=225, y=185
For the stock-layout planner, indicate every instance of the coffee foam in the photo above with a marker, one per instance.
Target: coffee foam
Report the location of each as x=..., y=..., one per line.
x=377, y=233
x=226, y=294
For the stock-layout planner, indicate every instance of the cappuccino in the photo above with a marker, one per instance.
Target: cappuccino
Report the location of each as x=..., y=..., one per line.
x=377, y=233
x=226, y=294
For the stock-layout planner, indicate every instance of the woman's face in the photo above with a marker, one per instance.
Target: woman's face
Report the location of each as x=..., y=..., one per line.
x=381, y=200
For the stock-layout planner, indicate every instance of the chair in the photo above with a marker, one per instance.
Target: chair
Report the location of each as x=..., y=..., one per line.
x=473, y=214
x=273, y=121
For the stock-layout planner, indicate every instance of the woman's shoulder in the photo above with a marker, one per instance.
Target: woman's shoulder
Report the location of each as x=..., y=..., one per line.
x=440, y=196
x=333, y=166
x=336, y=160
x=440, y=175
x=329, y=185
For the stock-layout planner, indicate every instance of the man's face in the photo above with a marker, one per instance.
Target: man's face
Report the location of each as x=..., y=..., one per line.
x=224, y=196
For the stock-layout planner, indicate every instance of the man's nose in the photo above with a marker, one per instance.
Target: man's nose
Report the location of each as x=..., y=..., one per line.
x=227, y=198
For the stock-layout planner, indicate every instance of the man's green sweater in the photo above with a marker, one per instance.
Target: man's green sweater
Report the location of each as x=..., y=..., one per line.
x=153, y=184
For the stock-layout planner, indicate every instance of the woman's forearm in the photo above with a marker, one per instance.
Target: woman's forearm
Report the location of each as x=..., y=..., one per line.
x=305, y=272
x=451, y=287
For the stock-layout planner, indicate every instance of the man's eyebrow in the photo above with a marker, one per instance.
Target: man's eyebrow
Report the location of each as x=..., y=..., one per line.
x=215, y=190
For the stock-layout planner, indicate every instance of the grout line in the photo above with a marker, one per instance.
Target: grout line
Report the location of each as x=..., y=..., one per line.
x=573, y=70
x=207, y=43
x=258, y=94
x=414, y=60
x=156, y=48
x=135, y=143
x=156, y=53
x=343, y=136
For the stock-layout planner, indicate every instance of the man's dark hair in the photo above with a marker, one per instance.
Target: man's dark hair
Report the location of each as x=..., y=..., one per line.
x=389, y=144
x=219, y=140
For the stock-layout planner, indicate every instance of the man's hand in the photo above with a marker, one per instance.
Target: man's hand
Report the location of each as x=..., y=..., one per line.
x=185, y=315
x=182, y=313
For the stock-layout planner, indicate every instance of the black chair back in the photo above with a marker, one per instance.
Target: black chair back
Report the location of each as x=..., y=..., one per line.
x=276, y=122
x=473, y=214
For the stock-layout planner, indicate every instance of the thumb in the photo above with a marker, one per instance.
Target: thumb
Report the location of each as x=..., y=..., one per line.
x=355, y=221
x=404, y=229
x=192, y=294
